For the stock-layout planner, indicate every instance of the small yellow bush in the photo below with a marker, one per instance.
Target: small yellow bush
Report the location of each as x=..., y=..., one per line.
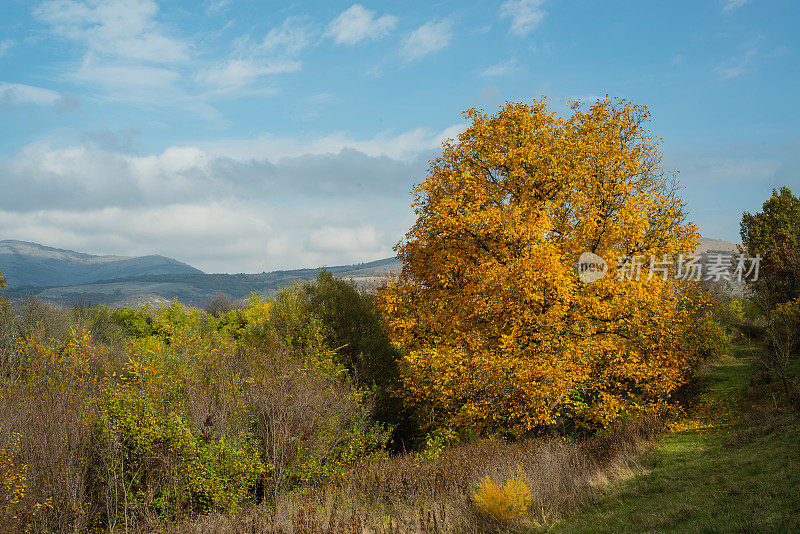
x=506, y=503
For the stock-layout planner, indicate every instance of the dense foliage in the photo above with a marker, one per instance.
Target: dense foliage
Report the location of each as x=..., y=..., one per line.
x=499, y=333
x=774, y=234
x=139, y=415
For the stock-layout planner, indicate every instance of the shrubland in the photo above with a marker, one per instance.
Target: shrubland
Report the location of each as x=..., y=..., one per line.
x=112, y=419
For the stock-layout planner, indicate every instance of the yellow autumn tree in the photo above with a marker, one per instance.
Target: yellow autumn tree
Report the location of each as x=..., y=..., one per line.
x=498, y=331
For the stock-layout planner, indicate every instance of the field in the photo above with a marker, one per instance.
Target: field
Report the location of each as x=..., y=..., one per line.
x=734, y=468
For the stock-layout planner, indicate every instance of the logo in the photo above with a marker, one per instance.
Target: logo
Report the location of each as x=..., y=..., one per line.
x=591, y=267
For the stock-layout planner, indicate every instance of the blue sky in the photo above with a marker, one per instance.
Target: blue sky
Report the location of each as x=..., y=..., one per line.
x=243, y=136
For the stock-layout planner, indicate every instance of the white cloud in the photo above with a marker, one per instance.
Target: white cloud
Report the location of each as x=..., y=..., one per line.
x=217, y=6
x=311, y=106
x=125, y=54
x=115, y=28
x=502, y=69
x=237, y=73
x=240, y=206
x=729, y=5
x=430, y=37
x=276, y=53
x=343, y=239
x=267, y=147
x=130, y=76
x=17, y=93
x=217, y=236
x=290, y=38
x=738, y=65
x=5, y=46
x=357, y=23
x=525, y=15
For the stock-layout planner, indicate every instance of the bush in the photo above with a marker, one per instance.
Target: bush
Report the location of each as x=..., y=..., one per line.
x=506, y=503
x=135, y=322
x=142, y=451
x=352, y=325
x=142, y=416
x=220, y=305
x=154, y=459
x=708, y=337
x=783, y=332
x=12, y=485
x=173, y=318
x=310, y=419
x=222, y=473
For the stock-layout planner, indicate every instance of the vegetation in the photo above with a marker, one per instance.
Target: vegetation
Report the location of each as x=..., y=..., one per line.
x=774, y=234
x=135, y=416
x=499, y=333
x=731, y=466
x=506, y=503
x=486, y=389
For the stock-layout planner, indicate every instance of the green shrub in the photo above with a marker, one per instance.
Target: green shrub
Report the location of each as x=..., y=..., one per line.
x=249, y=320
x=360, y=440
x=292, y=323
x=135, y=322
x=154, y=460
x=222, y=473
x=436, y=442
x=141, y=449
x=152, y=415
x=351, y=323
x=173, y=318
x=709, y=338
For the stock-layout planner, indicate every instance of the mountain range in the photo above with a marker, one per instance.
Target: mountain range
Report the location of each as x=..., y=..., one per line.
x=67, y=277
x=30, y=264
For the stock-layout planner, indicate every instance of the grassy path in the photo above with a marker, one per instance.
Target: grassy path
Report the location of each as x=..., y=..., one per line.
x=726, y=468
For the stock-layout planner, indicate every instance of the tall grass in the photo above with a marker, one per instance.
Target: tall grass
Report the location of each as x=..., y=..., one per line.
x=406, y=494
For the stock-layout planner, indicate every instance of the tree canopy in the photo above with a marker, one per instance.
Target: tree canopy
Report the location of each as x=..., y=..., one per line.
x=498, y=331
x=774, y=234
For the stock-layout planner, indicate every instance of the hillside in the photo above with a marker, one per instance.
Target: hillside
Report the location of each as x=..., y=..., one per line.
x=30, y=264
x=193, y=288
x=707, y=244
x=66, y=277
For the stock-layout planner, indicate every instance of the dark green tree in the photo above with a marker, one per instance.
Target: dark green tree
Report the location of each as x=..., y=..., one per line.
x=774, y=234
x=353, y=326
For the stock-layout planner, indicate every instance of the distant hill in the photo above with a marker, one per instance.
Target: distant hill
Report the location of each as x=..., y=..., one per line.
x=193, y=288
x=716, y=245
x=117, y=281
x=31, y=264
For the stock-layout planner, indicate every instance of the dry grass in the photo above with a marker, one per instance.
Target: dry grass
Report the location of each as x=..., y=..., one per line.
x=408, y=495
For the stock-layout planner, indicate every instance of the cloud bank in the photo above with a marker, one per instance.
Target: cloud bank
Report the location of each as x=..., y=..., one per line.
x=235, y=206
